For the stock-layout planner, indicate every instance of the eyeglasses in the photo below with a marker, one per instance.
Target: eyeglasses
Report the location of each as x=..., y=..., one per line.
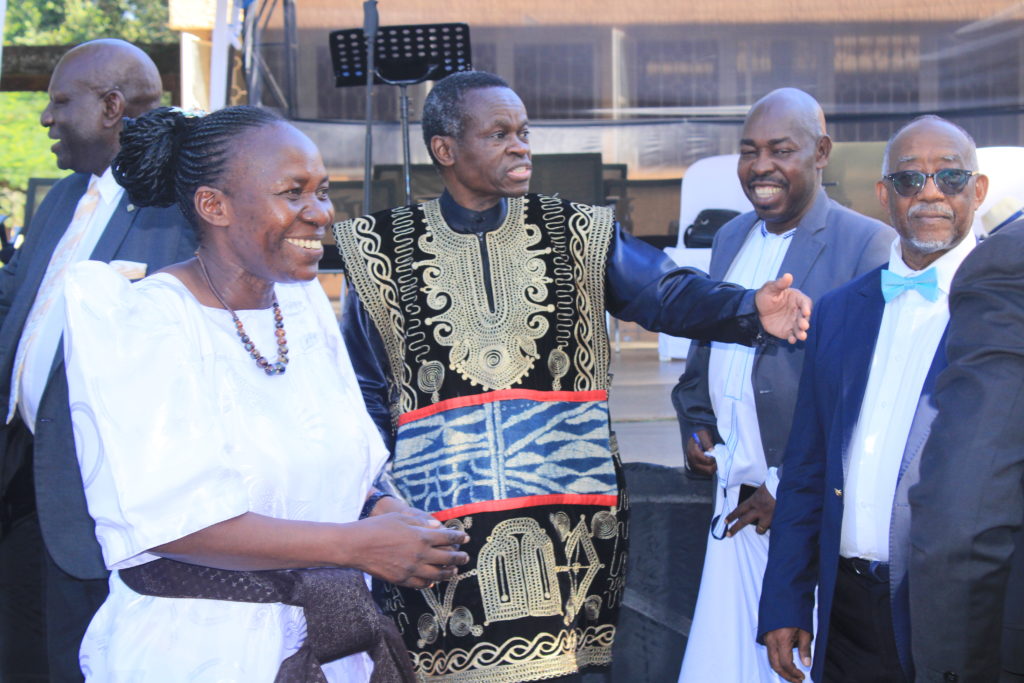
x=950, y=181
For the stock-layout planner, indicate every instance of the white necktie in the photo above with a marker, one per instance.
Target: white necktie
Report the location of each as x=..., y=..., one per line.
x=51, y=285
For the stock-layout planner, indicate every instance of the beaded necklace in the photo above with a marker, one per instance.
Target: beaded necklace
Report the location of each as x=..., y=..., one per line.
x=277, y=368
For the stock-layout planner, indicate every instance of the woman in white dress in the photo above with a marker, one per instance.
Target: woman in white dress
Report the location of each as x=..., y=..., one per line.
x=218, y=424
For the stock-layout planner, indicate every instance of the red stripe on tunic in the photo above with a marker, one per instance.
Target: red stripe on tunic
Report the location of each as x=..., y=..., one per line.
x=503, y=395
x=597, y=499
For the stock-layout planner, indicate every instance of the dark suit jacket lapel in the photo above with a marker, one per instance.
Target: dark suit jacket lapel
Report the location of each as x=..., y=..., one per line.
x=860, y=334
x=115, y=232
x=806, y=245
x=105, y=250
x=50, y=236
x=921, y=427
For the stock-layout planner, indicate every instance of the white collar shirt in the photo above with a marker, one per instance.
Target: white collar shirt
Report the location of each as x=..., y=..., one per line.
x=741, y=457
x=908, y=338
x=39, y=356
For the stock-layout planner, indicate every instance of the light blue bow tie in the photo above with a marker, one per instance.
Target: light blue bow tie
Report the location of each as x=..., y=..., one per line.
x=927, y=283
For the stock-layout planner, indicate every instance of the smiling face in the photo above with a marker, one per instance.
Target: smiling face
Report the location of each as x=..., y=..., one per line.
x=931, y=223
x=780, y=164
x=490, y=159
x=75, y=117
x=276, y=206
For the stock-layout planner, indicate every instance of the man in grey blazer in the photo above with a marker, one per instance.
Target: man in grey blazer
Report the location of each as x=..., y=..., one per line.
x=967, y=511
x=48, y=541
x=735, y=406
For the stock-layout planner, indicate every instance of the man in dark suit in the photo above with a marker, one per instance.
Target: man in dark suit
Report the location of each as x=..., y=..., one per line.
x=48, y=537
x=967, y=550
x=794, y=228
x=863, y=414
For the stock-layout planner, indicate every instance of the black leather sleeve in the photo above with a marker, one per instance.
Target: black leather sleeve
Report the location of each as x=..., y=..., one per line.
x=370, y=362
x=646, y=287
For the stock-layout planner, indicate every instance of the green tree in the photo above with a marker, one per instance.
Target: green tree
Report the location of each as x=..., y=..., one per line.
x=24, y=148
x=67, y=22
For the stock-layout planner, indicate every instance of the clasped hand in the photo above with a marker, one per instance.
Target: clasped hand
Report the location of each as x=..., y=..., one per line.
x=784, y=312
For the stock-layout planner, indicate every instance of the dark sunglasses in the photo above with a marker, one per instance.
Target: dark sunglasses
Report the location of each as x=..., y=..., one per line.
x=950, y=181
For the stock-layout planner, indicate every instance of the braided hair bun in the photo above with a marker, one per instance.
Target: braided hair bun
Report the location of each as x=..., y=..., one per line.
x=167, y=153
x=145, y=166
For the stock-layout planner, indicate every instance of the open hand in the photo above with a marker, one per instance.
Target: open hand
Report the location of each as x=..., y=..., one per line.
x=785, y=312
x=780, y=644
x=409, y=548
x=758, y=510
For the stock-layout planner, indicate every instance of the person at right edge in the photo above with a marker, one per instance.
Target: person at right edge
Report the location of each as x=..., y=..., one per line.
x=967, y=543
x=864, y=411
x=741, y=399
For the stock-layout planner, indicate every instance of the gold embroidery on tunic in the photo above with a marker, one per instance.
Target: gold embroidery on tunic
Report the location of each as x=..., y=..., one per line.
x=381, y=284
x=554, y=222
x=493, y=348
x=582, y=558
x=516, y=567
x=518, y=659
x=558, y=366
x=430, y=378
x=590, y=226
x=444, y=616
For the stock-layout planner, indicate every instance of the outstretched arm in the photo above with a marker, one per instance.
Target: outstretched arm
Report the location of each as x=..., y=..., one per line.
x=645, y=286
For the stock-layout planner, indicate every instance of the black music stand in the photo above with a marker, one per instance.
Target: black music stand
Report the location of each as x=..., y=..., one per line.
x=404, y=56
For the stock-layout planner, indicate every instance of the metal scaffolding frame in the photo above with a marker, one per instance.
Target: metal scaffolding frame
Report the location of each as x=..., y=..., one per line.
x=257, y=18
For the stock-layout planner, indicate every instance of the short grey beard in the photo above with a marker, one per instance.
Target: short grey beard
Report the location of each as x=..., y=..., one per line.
x=922, y=247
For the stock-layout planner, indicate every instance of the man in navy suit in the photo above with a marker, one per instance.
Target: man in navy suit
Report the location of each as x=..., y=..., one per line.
x=967, y=527
x=47, y=538
x=741, y=399
x=863, y=414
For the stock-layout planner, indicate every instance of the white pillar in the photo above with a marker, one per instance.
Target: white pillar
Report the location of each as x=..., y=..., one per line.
x=3, y=16
x=219, y=55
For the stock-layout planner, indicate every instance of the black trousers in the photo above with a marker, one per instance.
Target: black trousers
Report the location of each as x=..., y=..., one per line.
x=861, y=645
x=22, y=627
x=44, y=611
x=22, y=631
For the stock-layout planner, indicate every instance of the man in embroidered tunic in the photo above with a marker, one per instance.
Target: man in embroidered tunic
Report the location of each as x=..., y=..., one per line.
x=477, y=330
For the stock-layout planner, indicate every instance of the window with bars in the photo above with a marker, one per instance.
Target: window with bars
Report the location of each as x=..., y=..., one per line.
x=556, y=80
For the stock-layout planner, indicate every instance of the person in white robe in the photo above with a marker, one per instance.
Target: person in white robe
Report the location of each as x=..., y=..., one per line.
x=736, y=403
